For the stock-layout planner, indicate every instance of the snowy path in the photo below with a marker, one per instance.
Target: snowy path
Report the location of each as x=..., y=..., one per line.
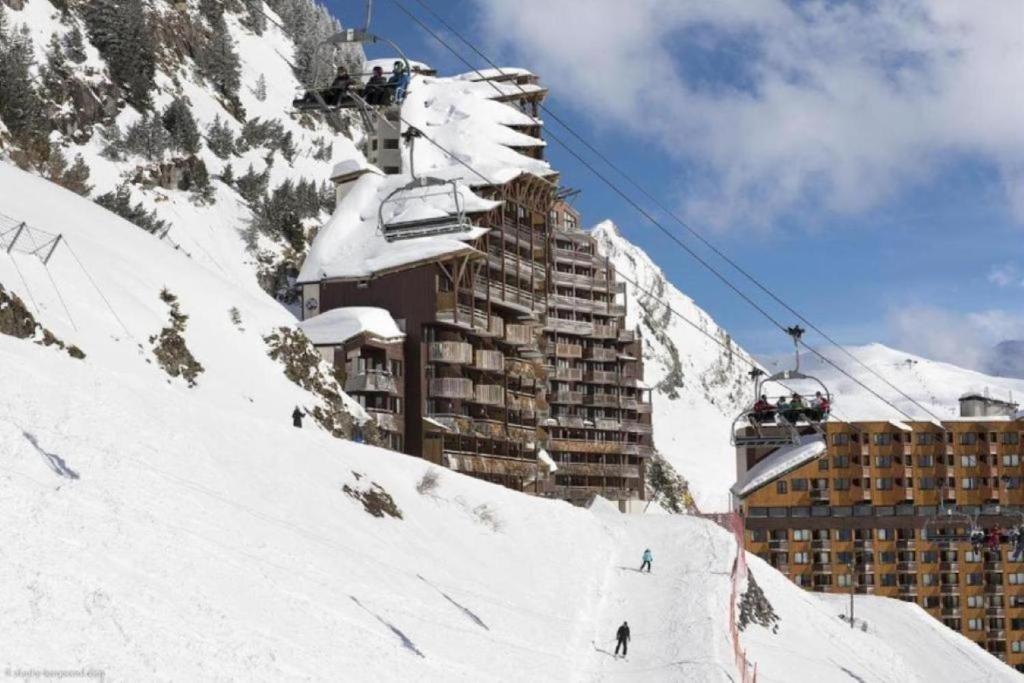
x=675, y=613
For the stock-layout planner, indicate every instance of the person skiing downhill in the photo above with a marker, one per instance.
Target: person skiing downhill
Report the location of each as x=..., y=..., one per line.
x=647, y=559
x=1018, y=544
x=622, y=636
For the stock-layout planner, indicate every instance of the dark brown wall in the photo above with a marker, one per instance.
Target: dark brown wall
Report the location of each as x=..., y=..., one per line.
x=412, y=295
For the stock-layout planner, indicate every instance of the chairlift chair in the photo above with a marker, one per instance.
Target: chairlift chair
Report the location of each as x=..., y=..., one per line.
x=421, y=189
x=945, y=526
x=770, y=429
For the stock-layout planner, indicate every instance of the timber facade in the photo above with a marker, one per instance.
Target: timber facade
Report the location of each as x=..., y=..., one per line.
x=854, y=520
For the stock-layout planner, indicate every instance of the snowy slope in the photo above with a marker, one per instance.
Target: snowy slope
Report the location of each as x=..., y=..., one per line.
x=699, y=387
x=229, y=550
x=933, y=384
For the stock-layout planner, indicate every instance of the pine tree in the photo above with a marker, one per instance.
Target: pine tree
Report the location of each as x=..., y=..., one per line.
x=181, y=125
x=74, y=45
x=55, y=74
x=120, y=30
x=220, y=139
x=218, y=61
x=147, y=137
x=201, y=189
x=252, y=185
x=254, y=19
x=227, y=175
x=261, y=89
x=114, y=146
x=76, y=178
x=212, y=11
x=20, y=106
x=120, y=202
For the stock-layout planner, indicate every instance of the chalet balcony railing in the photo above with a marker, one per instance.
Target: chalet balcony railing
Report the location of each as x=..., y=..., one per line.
x=605, y=331
x=510, y=294
x=386, y=420
x=643, y=408
x=493, y=361
x=568, y=374
x=570, y=397
x=460, y=353
x=607, y=425
x=575, y=303
x=474, y=319
x=451, y=387
x=628, y=403
x=563, y=350
x=595, y=446
x=372, y=380
x=636, y=427
x=604, y=400
x=514, y=263
x=598, y=469
x=627, y=336
x=600, y=353
x=581, y=327
x=572, y=256
x=617, y=309
x=601, y=377
x=489, y=394
x=522, y=335
x=521, y=403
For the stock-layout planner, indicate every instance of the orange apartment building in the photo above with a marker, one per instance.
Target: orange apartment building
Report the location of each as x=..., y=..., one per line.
x=865, y=509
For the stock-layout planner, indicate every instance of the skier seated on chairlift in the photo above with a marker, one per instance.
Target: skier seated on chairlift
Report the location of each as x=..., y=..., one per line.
x=819, y=407
x=376, y=91
x=763, y=411
x=333, y=95
x=994, y=538
x=977, y=539
x=795, y=409
x=399, y=81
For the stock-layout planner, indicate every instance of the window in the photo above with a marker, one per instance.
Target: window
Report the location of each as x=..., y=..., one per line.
x=975, y=601
x=800, y=511
x=926, y=461
x=845, y=557
x=973, y=579
x=844, y=580
x=1015, y=578
x=757, y=512
x=968, y=461
x=925, y=438
x=887, y=557
x=885, y=511
x=843, y=534
x=968, y=438
x=926, y=483
x=801, y=558
x=883, y=439
x=888, y=580
x=883, y=484
x=1011, y=437
x=840, y=439
x=883, y=461
x=1011, y=460
x=841, y=461
x=799, y=484
x=969, y=483
x=929, y=556
x=928, y=579
x=1012, y=482
x=1017, y=646
x=758, y=535
x=780, y=486
x=822, y=464
x=841, y=484
x=886, y=534
x=974, y=624
x=801, y=534
x=972, y=556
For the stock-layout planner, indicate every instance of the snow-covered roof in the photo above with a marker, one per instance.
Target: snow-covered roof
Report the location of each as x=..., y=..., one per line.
x=352, y=166
x=503, y=72
x=339, y=325
x=778, y=463
x=463, y=120
x=901, y=426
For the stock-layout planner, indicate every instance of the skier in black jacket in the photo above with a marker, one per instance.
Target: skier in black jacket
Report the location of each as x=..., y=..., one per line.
x=297, y=417
x=622, y=635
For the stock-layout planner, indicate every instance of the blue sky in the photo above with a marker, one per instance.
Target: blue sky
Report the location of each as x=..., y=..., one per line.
x=867, y=163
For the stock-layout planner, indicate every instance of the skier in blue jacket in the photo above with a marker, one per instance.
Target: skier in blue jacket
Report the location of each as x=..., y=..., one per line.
x=647, y=558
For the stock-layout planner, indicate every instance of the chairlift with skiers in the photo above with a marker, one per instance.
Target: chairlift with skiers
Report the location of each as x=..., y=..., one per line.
x=792, y=415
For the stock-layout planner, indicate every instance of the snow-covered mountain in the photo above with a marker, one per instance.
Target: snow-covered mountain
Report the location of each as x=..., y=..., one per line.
x=1007, y=359
x=699, y=386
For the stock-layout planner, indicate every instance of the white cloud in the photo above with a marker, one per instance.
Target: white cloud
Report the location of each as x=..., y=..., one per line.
x=1005, y=275
x=831, y=105
x=965, y=339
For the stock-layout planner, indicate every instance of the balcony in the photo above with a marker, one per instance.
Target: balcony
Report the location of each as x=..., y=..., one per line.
x=603, y=400
x=371, y=380
x=459, y=353
x=863, y=543
x=821, y=568
x=510, y=295
x=950, y=611
x=565, y=374
x=636, y=427
x=907, y=589
x=574, y=279
x=567, y=397
x=386, y=420
x=520, y=335
x=905, y=543
x=489, y=394
x=906, y=566
x=642, y=407
x=572, y=256
x=473, y=319
x=627, y=336
x=605, y=331
x=601, y=353
x=451, y=387
x=601, y=377
x=490, y=361
x=563, y=350
x=607, y=425
x=599, y=470
x=949, y=566
x=580, y=327
x=994, y=588
x=949, y=588
x=821, y=544
x=778, y=544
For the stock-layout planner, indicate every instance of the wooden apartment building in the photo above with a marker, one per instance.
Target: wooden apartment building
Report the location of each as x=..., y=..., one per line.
x=866, y=509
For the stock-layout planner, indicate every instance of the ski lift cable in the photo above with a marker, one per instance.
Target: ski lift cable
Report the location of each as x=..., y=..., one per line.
x=492, y=183
x=98, y=290
x=24, y=282
x=695, y=233
x=646, y=214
